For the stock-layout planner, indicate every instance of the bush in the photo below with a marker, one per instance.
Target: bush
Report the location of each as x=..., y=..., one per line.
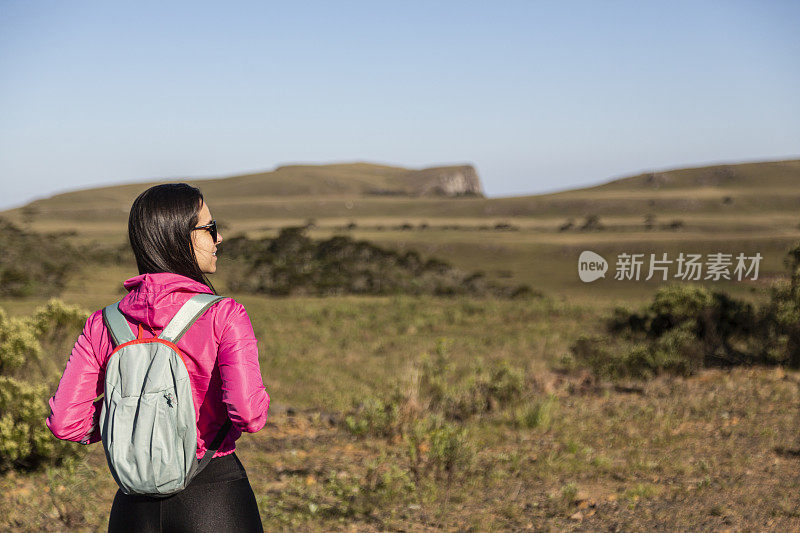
x=375, y=416
x=437, y=449
x=344, y=494
x=34, y=264
x=449, y=452
x=592, y=223
x=438, y=387
x=25, y=382
x=458, y=397
x=382, y=484
x=426, y=416
x=779, y=320
x=292, y=263
x=780, y=326
x=24, y=440
x=687, y=327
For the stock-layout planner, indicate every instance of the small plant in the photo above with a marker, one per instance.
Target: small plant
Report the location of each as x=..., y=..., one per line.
x=641, y=491
x=384, y=482
x=485, y=388
x=64, y=488
x=566, y=497
x=375, y=416
x=451, y=453
x=437, y=447
x=345, y=494
x=440, y=450
x=569, y=492
x=536, y=415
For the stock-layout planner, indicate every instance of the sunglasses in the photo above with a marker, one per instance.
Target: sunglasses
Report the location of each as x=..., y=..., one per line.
x=212, y=229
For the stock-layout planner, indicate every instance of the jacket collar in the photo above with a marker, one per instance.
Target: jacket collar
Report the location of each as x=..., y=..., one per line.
x=153, y=299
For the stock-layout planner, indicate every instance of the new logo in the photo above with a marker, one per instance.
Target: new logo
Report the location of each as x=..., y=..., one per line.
x=591, y=266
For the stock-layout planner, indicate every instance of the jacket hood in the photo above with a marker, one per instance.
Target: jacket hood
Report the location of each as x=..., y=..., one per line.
x=153, y=299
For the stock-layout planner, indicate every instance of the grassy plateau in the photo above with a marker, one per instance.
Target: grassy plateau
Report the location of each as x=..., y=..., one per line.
x=464, y=413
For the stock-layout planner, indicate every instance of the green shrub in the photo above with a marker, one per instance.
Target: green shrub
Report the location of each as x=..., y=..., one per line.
x=779, y=320
x=349, y=495
x=67, y=486
x=292, y=263
x=714, y=319
x=18, y=344
x=25, y=382
x=456, y=394
x=780, y=326
x=483, y=389
x=437, y=448
x=685, y=328
x=34, y=264
x=342, y=494
x=375, y=416
x=425, y=415
x=56, y=326
x=451, y=452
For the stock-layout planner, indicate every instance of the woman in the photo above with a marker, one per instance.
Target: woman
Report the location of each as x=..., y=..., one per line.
x=174, y=239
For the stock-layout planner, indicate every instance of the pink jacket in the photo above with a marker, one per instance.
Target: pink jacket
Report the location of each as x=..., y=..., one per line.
x=220, y=351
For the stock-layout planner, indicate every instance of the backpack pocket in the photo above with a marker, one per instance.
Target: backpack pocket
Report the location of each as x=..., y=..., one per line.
x=142, y=443
x=167, y=451
x=130, y=423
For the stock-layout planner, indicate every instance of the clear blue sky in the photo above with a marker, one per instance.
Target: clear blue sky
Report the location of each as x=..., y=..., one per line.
x=539, y=96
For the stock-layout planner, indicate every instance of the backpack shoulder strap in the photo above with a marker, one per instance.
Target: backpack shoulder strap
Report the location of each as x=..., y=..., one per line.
x=117, y=324
x=187, y=314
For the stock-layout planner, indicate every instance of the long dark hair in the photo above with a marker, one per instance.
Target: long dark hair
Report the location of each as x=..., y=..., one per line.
x=159, y=229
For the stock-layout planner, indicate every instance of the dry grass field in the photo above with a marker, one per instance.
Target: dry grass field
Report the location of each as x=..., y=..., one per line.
x=423, y=413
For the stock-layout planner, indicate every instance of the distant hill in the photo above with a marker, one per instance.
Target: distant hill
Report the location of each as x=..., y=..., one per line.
x=289, y=182
x=306, y=180
x=442, y=213
x=768, y=174
x=346, y=192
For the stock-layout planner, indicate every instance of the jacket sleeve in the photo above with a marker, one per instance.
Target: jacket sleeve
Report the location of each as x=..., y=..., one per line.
x=74, y=414
x=243, y=389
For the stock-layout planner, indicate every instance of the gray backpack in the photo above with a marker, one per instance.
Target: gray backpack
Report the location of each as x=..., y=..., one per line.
x=147, y=422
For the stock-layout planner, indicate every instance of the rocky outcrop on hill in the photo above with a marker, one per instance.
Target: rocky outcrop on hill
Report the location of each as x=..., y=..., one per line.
x=449, y=181
x=459, y=180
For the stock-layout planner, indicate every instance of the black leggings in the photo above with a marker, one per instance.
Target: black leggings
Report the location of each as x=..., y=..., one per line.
x=218, y=499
